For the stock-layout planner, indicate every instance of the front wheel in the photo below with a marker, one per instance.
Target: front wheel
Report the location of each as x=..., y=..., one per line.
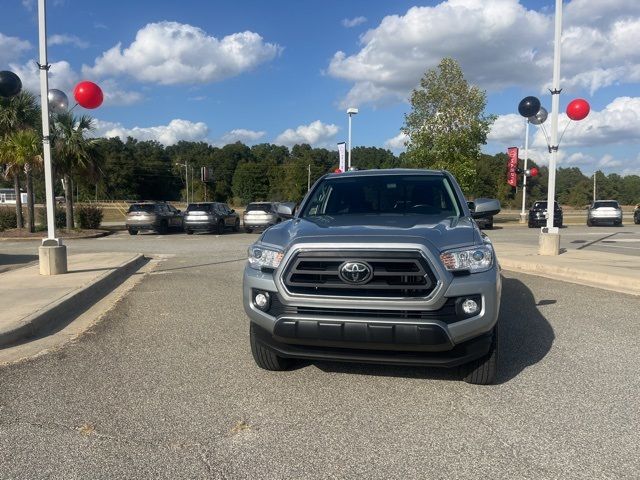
x=483, y=371
x=189, y=232
x=636, y=220
x=132, y=231
x=264, y=357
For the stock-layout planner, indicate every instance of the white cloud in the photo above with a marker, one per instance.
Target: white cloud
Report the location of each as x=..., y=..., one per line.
x=115, y=95
x=499, y=43
x=170, y=134
x=241, y=135
x=315, y=134
x=61, y=76
x=172, y=53
x=353, y=22
x=11, y=48
x=65, y=39
x=397, y=142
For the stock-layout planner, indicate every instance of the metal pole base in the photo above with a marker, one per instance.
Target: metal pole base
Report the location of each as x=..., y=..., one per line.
x=53, y=259
x=549, y=242
x=524, y=217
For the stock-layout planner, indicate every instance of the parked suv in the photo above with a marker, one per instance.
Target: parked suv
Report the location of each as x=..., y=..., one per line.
x=210, y=217
x=636, y=214
x=538, y=214
x=259, y=215
x=379, y=266
x=604, y=211
x=156, y=216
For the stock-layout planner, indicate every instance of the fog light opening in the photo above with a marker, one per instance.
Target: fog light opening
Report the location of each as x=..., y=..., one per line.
x=470, y=307
x=262, y=300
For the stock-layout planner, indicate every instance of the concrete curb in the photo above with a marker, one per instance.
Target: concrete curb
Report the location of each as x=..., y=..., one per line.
x=616, y=282
x=104, y=233
x=71, y=305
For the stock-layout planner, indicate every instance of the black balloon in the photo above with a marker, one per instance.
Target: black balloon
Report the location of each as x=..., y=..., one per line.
x=10, y=84
x=529, y=106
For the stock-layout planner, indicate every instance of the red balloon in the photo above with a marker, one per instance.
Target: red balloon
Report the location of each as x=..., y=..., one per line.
x=88, y=94
x=534, y=172
x=578, y=109
x=337, y=170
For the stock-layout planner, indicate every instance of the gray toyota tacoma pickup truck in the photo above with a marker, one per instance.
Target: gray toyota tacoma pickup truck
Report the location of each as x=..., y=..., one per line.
x=377, y=266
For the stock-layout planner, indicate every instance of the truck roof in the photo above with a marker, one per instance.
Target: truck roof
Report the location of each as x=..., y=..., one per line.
x=385, y=172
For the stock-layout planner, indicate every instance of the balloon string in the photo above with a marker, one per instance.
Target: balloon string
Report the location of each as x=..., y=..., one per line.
x=546, y=137
x=565, y=129
x=71, y=109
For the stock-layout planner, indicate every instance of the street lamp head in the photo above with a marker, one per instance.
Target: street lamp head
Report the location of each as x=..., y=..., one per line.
x=352, y=111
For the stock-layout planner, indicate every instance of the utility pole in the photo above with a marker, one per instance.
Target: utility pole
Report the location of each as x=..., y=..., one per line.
x=594, y=186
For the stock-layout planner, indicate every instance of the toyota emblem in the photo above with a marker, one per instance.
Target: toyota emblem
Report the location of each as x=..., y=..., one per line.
x=355, y=272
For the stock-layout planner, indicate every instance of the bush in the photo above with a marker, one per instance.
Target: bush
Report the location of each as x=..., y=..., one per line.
x=8, y=218
x=61, y=217
x=88, y=217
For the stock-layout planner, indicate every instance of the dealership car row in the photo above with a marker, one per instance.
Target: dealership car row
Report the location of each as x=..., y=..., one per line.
x=218, y=217
x=161, y=217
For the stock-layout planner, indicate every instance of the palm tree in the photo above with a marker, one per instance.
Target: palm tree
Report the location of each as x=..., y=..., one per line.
x=17, y=113
x=25, y=147
x=74, y=153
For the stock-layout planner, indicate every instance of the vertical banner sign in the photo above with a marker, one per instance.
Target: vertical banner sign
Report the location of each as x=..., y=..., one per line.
x=341, y=153
x=512, y=165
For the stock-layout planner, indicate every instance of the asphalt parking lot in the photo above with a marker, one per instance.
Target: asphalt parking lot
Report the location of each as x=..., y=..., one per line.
x=624, y=240
x=165, y=387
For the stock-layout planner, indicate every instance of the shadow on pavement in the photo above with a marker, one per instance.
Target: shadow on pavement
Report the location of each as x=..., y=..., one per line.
x=9, y=261
x=525, y=339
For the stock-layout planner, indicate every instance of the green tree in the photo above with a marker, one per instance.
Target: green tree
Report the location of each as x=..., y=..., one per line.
x=365, y=158
x=25, y=147
x=250, y=182
x=20, y=112
x=73, y=153
x=447, y=124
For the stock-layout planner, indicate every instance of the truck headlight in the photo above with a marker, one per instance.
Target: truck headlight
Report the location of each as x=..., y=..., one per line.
x=476, y=259
x=264, y=257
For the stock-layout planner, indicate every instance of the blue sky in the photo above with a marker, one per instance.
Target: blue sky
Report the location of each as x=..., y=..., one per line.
x=285, y=71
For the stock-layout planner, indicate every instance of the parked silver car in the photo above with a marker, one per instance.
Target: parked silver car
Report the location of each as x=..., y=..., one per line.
x=156, y=216
x=260, y=215
x=604, y=211
x=210, y=217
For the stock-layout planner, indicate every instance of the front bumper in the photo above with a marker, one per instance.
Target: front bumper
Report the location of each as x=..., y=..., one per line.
x=413, y=332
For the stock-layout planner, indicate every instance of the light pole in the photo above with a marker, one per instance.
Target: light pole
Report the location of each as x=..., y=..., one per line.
x=523, y=215
x=594, y=185
x=186, y=177
x=550, y=236
x=52, y=254
x=351, y=111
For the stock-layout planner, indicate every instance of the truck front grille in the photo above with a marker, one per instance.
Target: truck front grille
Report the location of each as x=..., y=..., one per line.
x=395, y=274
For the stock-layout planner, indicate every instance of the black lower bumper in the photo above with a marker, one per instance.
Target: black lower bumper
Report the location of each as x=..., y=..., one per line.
x=421, y=346
x=200, y=227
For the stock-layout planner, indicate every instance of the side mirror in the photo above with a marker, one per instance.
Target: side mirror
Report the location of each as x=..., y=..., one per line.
x=286, y=210
x=485, y=207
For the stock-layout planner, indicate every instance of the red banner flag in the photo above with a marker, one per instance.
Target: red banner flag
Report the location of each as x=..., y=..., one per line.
x=512, y=165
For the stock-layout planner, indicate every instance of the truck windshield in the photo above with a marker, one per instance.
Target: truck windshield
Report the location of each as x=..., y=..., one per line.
x=389, y=194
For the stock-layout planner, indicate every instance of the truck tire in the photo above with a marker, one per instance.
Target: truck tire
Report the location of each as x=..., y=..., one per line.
x=264, y=357
x=132, y=231
x=483, y=370
x=248, y=230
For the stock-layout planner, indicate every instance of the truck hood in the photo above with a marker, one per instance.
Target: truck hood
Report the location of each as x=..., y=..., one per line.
x=441, y=234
